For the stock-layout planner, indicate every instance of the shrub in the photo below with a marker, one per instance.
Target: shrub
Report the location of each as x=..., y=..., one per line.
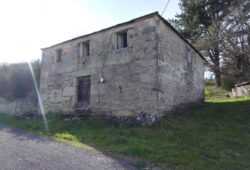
x=16, y=80
x=210, y=81
x=227, y=82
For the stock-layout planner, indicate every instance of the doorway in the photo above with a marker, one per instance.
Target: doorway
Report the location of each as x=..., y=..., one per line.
x=83, y=92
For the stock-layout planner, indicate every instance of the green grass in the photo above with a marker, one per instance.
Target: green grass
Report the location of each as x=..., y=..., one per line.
x=213, y=136
x=215, y=93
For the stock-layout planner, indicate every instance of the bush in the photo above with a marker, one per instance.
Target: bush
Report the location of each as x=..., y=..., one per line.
x=210, y=81
x=16, y=80
x=227, y=82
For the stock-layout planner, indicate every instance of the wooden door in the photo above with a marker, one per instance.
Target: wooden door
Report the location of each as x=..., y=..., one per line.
x=83, y=91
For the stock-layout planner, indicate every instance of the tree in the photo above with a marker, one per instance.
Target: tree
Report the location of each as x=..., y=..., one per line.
x=36, y=66
x=20, y=80
x=200, y=22
x=16, y=80
x=4, y=80
x=235, y=42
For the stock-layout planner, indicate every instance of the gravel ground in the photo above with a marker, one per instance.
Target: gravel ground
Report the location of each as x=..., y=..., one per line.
x=21, y=150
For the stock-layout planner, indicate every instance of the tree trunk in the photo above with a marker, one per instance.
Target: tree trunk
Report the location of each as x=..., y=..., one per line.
x=217, y=79
x=217, y=72
x=244, y=68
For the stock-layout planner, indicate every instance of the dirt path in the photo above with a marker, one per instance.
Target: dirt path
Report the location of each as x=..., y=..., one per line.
x=21, y=150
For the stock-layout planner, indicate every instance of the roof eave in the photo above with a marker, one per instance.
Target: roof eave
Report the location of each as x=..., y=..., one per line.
x=133, y=21
x=105, y=29
x=173, y=29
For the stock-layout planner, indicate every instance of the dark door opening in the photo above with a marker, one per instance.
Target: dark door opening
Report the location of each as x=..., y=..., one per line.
x=83, y=92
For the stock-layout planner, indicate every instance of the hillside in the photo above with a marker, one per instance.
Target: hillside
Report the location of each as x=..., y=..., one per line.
x=213, y=136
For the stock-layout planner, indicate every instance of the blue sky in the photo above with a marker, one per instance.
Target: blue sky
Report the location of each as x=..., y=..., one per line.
x=115, y=11
x=29, y=25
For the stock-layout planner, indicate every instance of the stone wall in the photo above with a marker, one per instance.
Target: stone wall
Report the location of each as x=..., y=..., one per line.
x=180, y=77
x=241, y=91
x=129, y=73
x=148, y=76
x=18, y=107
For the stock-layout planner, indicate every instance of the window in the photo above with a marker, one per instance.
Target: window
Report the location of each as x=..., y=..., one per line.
x=188, y=55
x=58, y=55
x=122, y=40
x=83, y=91
x=189, y=59
x=84, y=49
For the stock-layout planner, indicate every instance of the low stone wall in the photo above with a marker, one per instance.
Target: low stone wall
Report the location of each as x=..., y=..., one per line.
x=19, y=106
x=241, y=91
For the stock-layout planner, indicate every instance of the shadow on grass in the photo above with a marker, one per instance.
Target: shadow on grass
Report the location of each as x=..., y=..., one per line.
x=214, y=136
x=22, y=135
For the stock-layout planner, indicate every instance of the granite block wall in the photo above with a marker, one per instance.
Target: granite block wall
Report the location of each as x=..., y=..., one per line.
x=153, y=74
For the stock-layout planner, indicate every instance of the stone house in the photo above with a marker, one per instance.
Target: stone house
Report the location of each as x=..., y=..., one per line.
x=143, y=65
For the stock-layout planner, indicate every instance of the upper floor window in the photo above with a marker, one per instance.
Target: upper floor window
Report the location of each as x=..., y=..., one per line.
x=122, y=40
x=58, y=55
x=84, y=49
x=189, y=58
x=188, y=55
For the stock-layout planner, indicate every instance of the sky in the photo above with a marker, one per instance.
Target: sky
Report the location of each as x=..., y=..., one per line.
x=26, y=26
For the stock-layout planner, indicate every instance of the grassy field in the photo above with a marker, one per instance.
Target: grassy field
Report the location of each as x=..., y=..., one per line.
x=213, y=136
x=213, y=93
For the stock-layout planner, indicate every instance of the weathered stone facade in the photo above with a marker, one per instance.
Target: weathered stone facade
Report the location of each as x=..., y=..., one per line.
x=18, y=106
x=156, y=71
x=241, y=90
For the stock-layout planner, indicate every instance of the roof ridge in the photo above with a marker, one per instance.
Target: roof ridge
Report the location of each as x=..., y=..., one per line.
x=132, y=21
x=101, y=30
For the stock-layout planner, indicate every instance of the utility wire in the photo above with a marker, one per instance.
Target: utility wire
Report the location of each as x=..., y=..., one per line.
x=107, y=51
x=110, y=38
x=165, y=7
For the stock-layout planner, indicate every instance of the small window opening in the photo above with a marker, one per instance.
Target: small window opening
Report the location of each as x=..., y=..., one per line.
x=189, y=58
x=84, y=49
x=58, y=55
x=188, y=55
x=122, y=40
